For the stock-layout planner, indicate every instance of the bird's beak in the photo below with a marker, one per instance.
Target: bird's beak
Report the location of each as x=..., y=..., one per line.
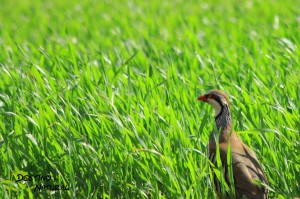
x=203, y=98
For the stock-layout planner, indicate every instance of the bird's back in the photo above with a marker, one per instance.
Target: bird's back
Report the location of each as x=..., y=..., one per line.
x=245, y=166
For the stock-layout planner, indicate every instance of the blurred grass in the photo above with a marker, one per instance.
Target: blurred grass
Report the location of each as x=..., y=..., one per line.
x=102, y=95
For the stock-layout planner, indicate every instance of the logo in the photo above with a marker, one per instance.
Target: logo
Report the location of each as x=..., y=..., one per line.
x=40, y=182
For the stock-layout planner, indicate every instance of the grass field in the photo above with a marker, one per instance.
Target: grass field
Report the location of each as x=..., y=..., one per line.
x=99, y=97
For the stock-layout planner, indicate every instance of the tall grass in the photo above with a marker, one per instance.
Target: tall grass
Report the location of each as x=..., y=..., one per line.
x=101, y=96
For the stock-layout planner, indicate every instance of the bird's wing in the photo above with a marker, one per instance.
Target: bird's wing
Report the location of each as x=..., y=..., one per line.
x=246, y=169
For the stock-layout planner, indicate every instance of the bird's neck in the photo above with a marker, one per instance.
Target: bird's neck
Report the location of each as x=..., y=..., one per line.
x=223, y=119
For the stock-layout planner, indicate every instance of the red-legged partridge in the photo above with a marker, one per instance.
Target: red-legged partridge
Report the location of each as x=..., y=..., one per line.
x=245, y=166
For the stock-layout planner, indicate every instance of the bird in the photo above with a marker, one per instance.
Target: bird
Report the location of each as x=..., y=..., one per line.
x=246, y=170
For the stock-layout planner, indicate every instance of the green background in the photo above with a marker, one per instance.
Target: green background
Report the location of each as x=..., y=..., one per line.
x=101, y=95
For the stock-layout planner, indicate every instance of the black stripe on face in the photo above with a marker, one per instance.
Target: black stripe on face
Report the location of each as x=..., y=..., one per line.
x=217, y=99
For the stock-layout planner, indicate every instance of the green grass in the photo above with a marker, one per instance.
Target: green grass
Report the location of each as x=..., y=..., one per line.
x=102, y=96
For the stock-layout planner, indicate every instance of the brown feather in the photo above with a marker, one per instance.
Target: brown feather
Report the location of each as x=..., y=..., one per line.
x=245, y=166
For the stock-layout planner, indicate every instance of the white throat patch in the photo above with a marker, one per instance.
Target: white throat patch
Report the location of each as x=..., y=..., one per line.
x=216, y=106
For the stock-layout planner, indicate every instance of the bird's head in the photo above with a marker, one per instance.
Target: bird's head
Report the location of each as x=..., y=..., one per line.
x=217, y=99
